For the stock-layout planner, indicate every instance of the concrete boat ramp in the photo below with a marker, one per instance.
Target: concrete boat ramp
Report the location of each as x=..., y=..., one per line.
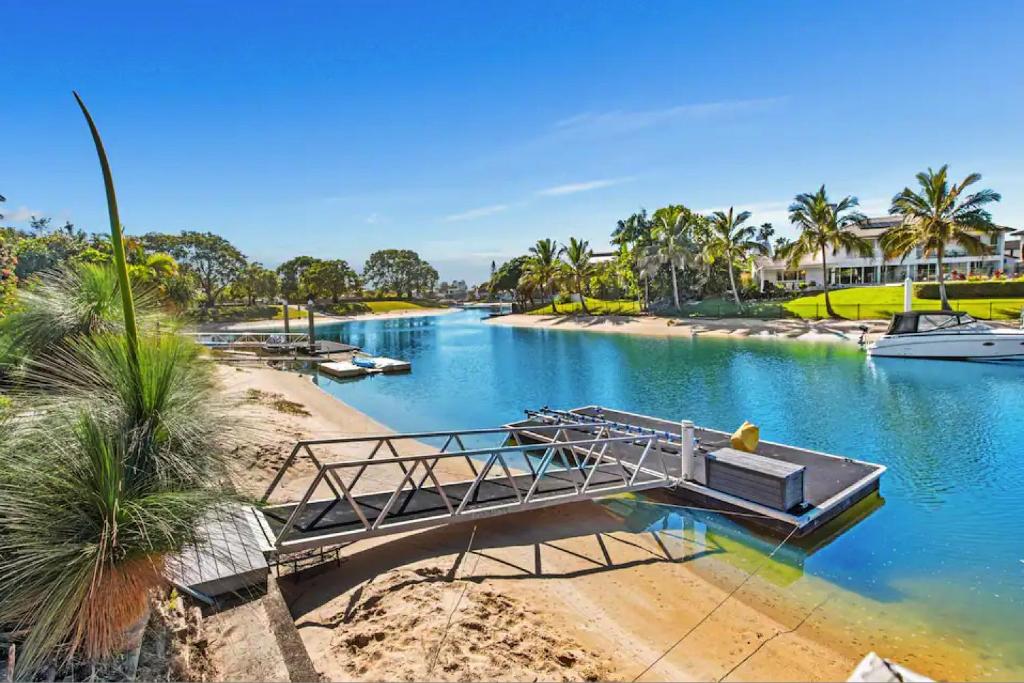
x=393, y=483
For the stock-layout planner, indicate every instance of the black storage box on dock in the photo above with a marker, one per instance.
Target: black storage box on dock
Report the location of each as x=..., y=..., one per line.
x=774, y=483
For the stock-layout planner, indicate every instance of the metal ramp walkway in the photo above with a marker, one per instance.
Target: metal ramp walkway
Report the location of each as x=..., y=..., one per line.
x=455, y=476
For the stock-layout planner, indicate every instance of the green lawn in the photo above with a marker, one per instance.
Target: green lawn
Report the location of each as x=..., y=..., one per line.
x=594, y=306
x=294, y=313
x=881, y=302
x=357, y=307
x=858, y=303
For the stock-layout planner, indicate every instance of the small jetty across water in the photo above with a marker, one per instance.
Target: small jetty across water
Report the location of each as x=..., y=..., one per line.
x=369, y=486
x=271, y=343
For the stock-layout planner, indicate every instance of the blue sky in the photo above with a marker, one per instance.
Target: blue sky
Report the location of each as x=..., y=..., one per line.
x=468, y=130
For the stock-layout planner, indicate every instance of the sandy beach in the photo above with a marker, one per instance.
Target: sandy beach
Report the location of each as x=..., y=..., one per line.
x=844, y=331
x=805, y=330
x=299, y=324
x=575, y=592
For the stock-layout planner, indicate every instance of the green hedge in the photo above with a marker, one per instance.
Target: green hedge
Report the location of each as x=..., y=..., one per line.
x=993, y=289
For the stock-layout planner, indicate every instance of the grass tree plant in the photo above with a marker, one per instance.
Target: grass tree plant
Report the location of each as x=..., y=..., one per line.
x=119, y=452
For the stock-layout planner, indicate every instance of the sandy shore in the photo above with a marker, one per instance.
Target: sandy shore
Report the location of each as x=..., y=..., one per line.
x=845, y=331
x=806, y=330
x=568, y=593
x=299, y=324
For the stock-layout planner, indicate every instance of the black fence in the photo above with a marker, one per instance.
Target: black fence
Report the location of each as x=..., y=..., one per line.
x=982, y=310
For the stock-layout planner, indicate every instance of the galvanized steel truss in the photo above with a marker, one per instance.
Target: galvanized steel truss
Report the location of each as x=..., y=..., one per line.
x=532, y=466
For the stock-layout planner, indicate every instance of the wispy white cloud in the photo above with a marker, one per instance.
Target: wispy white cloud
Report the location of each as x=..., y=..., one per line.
x=20, y=214
x=621, y=120
x=373, y=219
x=573, y=188
x=475, y=213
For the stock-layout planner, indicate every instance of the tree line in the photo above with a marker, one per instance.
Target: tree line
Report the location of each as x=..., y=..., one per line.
x=205, y=269
x=675, y=253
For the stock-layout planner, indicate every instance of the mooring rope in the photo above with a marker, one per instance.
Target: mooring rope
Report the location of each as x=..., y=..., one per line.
x=451, y=615
x=716, y=607
x=776, y=635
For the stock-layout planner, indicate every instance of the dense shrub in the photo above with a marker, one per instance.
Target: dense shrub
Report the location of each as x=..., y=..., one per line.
x=991, y=289
x=232, y=314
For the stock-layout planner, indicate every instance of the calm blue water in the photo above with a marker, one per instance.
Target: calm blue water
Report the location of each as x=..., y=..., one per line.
x=950, y=536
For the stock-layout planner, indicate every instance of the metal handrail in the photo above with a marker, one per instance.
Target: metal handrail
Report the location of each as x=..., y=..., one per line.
x=572, y=449
x=449, y=432
x=345, y=464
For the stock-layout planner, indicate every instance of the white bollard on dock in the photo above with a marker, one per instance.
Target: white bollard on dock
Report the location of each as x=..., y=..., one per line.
x=688, y=464
x=908, y=294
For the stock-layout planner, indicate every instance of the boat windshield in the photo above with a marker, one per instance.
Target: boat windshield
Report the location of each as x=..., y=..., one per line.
x=932, y=322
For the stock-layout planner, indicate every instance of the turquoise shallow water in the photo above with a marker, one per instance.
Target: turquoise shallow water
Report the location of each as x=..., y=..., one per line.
x=949, y=539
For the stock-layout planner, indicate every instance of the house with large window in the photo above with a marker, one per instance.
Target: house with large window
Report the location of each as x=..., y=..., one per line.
x=852, y=269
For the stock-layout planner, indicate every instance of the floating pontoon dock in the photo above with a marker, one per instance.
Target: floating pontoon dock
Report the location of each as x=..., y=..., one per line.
x=831, y=483
x=553, y=457
x=346, y=369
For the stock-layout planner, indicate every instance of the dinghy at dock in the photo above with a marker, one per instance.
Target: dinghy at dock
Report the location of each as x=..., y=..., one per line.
x=359, y=366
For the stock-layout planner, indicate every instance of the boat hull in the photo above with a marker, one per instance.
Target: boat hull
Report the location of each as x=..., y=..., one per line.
x=951, y=346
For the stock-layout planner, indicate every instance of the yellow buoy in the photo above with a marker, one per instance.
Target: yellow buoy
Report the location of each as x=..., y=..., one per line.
x=746, y=437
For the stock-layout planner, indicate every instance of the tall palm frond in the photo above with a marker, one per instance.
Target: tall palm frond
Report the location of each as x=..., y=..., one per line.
x=824, y=225
x=937, y=216
x=673, y=241
x=544, y=268
x=578, y=267
x=732, y=241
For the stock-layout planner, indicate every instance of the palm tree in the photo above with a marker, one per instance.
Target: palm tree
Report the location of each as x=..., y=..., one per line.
x=824, y=225
x=937, y=216
x=672, y=241
x=543, y=268
x=578, y=267
x=733, y=241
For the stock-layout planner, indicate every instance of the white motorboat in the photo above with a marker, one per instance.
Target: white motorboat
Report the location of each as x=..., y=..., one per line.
x=948, y=335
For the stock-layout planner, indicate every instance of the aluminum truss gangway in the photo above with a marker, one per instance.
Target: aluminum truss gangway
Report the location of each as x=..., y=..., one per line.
x=446, y=477
x=250, y=340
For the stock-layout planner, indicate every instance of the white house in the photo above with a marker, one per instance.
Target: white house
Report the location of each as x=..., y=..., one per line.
x=849, y=269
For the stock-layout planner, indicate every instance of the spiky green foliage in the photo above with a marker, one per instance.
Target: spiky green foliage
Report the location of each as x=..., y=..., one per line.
x=824, y=225
x=64, y=305
x=939, y=215
x=732, y=241
x=104, y=477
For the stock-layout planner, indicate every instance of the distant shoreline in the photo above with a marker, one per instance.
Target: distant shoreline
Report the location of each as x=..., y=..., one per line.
x=299, y=324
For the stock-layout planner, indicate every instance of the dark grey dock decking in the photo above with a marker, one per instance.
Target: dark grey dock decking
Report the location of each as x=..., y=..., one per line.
x=832, y=483
x=335, y=516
